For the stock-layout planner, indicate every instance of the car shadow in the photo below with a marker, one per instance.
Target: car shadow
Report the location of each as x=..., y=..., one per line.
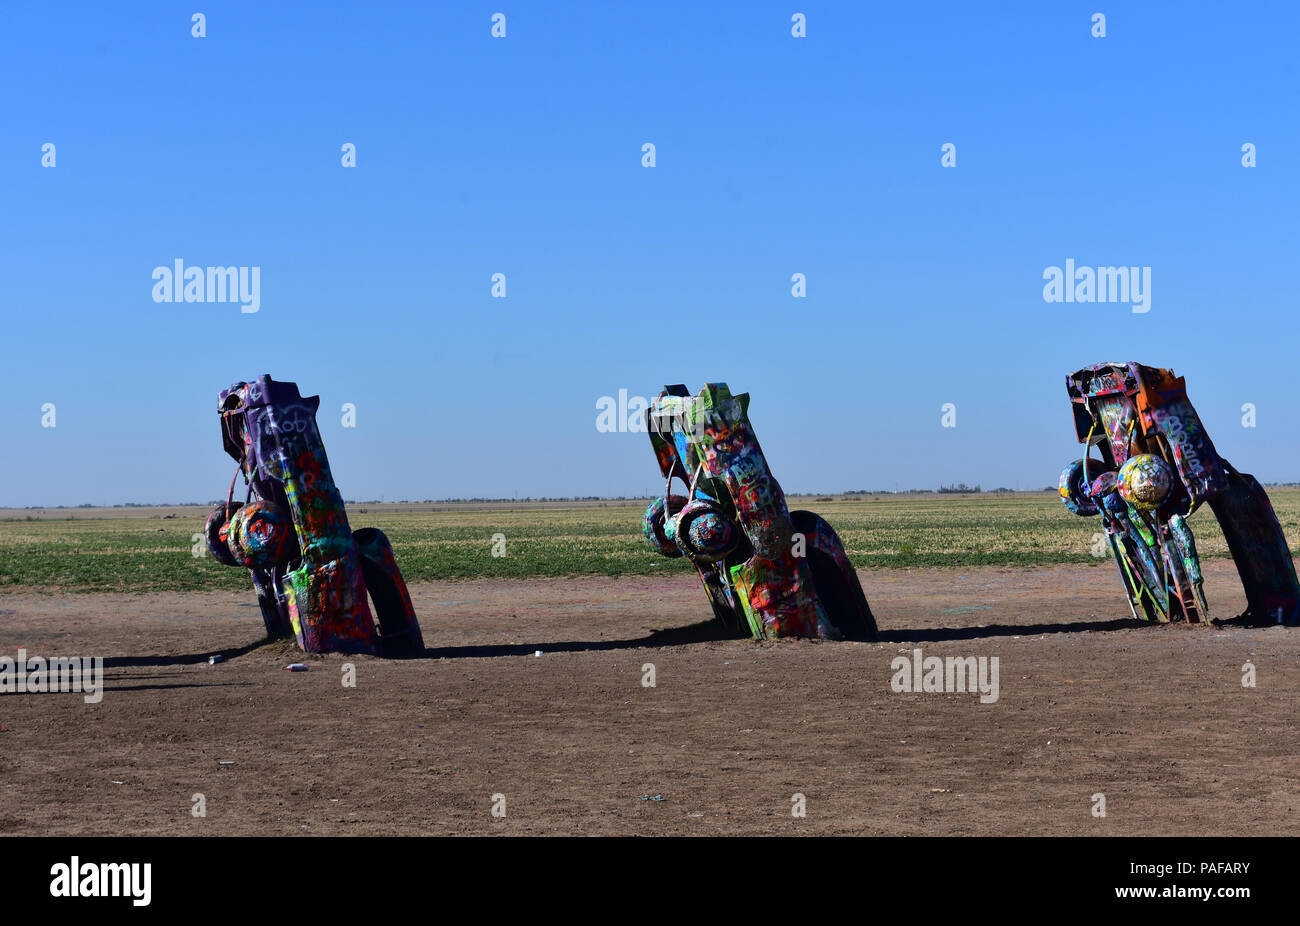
x=934, y=634
x=188, y=659
x=710, y=630
x=701, y=632
x=705, y=631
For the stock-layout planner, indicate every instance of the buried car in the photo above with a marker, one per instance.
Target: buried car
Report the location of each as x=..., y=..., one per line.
x=767, y=571
x=1157, y=467
x=311, y=571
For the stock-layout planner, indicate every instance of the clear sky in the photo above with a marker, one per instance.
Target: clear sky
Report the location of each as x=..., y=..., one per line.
x=522, y=155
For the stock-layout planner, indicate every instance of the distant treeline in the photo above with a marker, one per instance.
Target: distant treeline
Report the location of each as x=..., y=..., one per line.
x=959, y=488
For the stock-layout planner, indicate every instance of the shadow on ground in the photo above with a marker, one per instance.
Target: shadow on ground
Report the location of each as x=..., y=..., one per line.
x=701, y=632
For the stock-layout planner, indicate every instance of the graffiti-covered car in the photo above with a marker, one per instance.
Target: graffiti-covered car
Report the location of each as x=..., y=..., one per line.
x=1157, y=467
x=311, y=571
x=768, y=571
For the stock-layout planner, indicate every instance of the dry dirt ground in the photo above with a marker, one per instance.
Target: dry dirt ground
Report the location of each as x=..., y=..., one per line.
x=1154, y=717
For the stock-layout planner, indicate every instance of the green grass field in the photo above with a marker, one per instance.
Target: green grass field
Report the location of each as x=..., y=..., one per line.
x=129, y=551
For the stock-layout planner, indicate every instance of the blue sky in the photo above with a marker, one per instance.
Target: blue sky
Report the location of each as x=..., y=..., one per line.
x=774, y=155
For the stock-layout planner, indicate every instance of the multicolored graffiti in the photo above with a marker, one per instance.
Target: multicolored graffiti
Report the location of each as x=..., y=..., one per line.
x=766, y=570
x=1157, y=467
x=311, y=572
